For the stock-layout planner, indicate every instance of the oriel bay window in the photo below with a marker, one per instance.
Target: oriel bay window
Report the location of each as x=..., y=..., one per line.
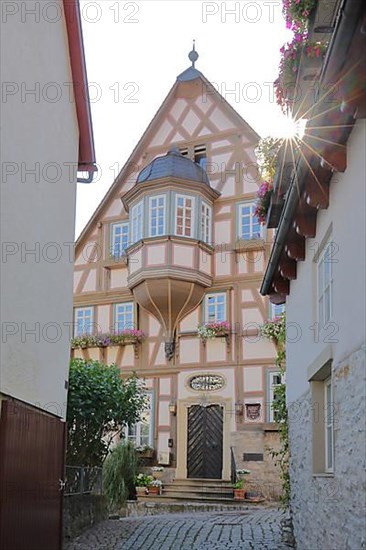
x=249, y=226
x=215, y=307
x=124, y=316
x=83, y=321
x=184, y=216
x=119, y=239
x=157, y=214
x=206, y=223
x=137, y=213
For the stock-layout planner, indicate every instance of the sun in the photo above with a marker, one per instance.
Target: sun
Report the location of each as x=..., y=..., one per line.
x=292, y=128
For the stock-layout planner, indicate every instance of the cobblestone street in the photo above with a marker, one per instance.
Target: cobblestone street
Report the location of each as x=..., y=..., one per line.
x=249, y=529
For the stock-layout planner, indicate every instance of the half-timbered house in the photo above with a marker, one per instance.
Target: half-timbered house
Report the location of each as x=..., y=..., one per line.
x=175, y=244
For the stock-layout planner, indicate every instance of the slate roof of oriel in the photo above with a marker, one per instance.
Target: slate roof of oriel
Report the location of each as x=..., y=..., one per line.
x=174, y=165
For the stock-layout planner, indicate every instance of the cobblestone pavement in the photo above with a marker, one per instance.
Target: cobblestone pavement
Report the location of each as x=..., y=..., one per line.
x=247, y=530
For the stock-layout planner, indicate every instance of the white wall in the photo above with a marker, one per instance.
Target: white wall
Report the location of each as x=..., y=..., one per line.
x=346, y=214
x=37, y=289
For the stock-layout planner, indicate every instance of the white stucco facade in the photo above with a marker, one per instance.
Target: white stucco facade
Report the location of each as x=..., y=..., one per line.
x=38, y=190
x=327, y=504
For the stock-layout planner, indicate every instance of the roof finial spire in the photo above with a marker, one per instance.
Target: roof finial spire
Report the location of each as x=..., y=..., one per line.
x=193, y=55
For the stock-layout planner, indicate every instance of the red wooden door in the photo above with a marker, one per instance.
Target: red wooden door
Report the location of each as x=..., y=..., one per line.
x=32, y=446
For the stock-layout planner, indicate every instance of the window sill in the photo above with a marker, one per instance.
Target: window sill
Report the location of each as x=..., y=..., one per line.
x=325, y=474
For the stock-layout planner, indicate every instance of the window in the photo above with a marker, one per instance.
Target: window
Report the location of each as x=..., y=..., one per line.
x=83, y=319
x=325, y=286
x=141, y=433
x=124, y=316
x=274, y=381
x=184, y=216
x=197, y=153
x=136, y=222
x=157, y=216
x=277, y=310
x=206, y=223
x=328, y=418
x=119, y=239
x=323, y=414
x=215, y=307
x=200, y=156
x=249, y=226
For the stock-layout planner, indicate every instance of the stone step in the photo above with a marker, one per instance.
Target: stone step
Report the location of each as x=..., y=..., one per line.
x=194, y=481
x=203, y=491
x=187, y=497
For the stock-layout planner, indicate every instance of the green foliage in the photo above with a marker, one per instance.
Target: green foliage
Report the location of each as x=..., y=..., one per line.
x=119, y=473
x=143, y=480
x=276, y=330
x=100, y=404
x=267, y=153
x=239, y=484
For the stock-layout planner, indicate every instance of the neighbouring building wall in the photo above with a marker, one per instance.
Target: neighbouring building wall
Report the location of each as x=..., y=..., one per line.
x=38, y=188
x=329, y=507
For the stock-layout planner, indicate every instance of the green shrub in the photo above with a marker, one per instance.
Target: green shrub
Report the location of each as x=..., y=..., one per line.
x=119, y=472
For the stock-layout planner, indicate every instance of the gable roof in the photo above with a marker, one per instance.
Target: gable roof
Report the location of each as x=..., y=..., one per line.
x=189, y=74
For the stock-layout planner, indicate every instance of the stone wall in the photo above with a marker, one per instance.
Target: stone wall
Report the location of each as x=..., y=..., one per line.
x=264, y=476
x=81, y=512
x=329, y=512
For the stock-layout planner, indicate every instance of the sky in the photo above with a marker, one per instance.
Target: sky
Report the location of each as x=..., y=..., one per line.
x=135, y=50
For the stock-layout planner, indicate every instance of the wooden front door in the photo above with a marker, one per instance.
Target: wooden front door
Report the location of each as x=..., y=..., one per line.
x=204, y=444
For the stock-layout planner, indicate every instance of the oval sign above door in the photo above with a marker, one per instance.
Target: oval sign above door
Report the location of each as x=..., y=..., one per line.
x=206, y=382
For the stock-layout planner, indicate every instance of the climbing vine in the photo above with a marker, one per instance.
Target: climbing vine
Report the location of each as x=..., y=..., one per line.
x=275, y=330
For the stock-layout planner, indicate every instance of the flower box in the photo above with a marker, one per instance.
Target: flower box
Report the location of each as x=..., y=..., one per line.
x=209, y=331
x=103, y=340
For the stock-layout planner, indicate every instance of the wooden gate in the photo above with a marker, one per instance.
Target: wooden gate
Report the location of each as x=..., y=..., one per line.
x=204, y=444
x=31, y=466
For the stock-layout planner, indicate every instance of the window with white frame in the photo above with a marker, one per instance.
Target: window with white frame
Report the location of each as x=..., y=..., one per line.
x=323, y=417
x=142, y=433
x=83, y=321
x=124, y=316
x=157, y=211
x=215, y=307
x=206, y=223
x=277, y=310
x=184, y=216
x=328, y=418
x=119, y=239
x=249, y=226
x=325, y=285
x=274, y=381
x=137, y=213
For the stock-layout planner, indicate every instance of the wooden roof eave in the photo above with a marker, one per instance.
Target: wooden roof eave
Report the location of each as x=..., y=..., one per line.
x=316, y=166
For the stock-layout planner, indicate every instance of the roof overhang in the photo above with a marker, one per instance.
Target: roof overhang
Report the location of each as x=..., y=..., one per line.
x=323, y=149
x=86, y=160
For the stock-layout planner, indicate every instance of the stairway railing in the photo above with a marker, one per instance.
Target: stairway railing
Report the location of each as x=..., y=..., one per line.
x=233, y=467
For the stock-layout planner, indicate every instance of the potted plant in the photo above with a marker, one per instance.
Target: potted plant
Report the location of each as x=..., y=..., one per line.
x=145, y=451
x=154, y=487
x=209, y=331
x=240, y=474
x=239, y=491
x=264, y=195
x=141, y=483
x=157, y=472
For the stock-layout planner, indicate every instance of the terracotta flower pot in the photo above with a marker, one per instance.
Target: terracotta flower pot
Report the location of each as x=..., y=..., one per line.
x=239, y=494
x=153, y=490
x=140, y=491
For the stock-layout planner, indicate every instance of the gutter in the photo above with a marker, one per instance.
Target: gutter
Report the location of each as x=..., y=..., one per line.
x=347, y=21
x=86, y=160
